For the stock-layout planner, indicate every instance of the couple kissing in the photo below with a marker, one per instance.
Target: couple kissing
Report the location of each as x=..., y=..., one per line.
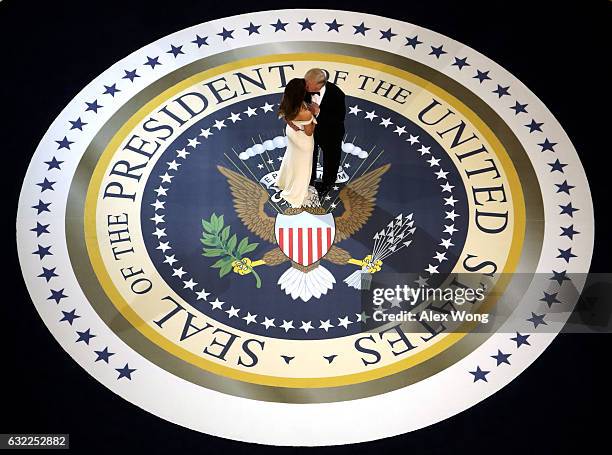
x=314, y=110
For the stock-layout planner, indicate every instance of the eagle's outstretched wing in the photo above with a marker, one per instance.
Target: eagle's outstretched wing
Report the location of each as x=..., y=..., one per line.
x=249, y=201
x=337, y=255
x=358, y=198
x=275, y=257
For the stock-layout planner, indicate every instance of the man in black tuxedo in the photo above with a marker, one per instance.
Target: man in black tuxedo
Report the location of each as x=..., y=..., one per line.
x=327, y=103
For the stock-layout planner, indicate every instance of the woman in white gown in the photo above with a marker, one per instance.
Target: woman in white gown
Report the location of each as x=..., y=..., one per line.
x=296, y=167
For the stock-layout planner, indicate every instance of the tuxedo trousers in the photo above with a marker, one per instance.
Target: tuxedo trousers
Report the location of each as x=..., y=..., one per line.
x=331, y=146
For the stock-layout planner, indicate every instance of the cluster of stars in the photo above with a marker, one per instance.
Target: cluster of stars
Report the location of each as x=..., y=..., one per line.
x=49, y=274
x=440, y=174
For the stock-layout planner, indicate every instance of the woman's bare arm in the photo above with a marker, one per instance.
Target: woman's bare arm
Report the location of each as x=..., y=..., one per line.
x=292, y=125
x=307, y=115
x=309, y=129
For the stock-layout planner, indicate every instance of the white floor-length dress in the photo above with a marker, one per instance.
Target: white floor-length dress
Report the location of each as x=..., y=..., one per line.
x=296, y=167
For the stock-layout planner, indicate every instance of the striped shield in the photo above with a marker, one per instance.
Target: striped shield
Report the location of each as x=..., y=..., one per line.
x=305, y=238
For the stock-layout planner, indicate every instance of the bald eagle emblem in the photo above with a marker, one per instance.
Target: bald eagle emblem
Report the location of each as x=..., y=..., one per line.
x=308, y=235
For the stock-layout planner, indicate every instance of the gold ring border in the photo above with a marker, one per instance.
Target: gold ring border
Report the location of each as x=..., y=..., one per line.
x=391, y=369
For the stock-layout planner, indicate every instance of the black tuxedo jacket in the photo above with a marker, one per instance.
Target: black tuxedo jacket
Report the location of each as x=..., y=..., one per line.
x=330, y=122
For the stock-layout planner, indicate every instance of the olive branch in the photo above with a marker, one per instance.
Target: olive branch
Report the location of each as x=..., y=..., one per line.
x=217, y=241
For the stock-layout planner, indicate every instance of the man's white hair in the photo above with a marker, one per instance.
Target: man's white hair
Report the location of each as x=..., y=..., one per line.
x=316, y=75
